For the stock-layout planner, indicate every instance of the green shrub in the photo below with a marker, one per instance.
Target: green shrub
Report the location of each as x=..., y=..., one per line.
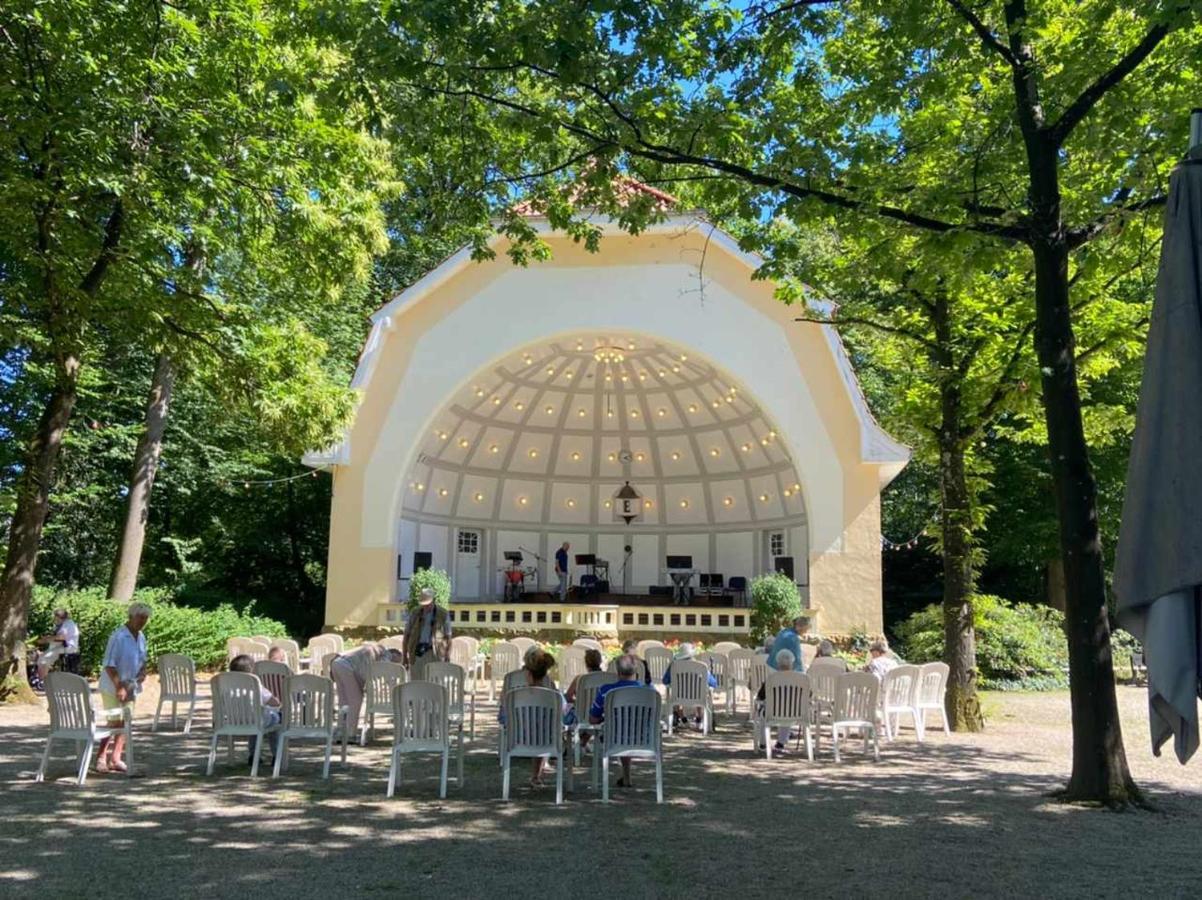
x=775, y=601
x=1122, y=645
x=436, y=580
x=1019, y=646
x=200, y=634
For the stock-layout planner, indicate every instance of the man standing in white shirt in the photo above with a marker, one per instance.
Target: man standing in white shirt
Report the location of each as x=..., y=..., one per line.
x=123, y=670
x=64, y=642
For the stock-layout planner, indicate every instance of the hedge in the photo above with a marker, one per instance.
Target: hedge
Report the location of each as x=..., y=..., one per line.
x=1019, y=646
x=200, y=634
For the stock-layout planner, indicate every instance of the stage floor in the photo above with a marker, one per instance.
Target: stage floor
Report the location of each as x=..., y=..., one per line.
x=698, y=601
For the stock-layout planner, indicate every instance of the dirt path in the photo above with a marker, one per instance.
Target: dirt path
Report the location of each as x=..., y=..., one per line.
x=955, y=817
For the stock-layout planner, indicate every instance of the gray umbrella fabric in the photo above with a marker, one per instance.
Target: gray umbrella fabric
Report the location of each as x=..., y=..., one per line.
x=1158, y=565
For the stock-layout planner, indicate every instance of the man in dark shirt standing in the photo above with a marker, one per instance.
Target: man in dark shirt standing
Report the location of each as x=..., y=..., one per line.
x=561, y=569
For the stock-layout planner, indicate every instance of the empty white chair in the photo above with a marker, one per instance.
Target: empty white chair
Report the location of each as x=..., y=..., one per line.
x=382, y=679
x=899, y=688
x=932, y=683
x=533, y=728
x=631, y=730
x=392, y=642
x=523, y=644
x=588, y=644
x=309, y=711
x=323, y=664
x=719, y=667
x=726, y=647
x=263, y=639
x=505, y=658
x=786, y=705
x=316, y=649
x=420, y=725
x=823, y=680
x=641, y=648
x=242, y=646
x=738, y=673
x=177, y=684
x=72, y=719
x=658, y=659
x=570, y=664
x=586, y=690
x=835, y=663
x=273, y=675
x=238, y=712
x=461, y=706
x=465, y=653
x=855, y=708
x=291, y=652
x=336, y=639
x=690, y=688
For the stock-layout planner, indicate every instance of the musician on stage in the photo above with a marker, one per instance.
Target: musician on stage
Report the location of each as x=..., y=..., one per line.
x=561, y=569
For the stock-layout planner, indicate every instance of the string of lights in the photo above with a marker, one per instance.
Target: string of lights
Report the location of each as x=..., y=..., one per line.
x=887, y=544
x=248, y=483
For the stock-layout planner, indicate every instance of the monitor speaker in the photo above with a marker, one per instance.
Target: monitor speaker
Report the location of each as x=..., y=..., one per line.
x=784, y=566
x=423, y=560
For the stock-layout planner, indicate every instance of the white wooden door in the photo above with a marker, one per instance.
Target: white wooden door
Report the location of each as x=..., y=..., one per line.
x=468, y=549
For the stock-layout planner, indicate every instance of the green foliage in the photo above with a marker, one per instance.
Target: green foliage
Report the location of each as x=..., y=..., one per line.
x=200, y=634
x=436, y=580
x=775, y=601
x=1017, y=643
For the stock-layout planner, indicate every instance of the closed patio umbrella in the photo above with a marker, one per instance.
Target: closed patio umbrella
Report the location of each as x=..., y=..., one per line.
x=1158, y=567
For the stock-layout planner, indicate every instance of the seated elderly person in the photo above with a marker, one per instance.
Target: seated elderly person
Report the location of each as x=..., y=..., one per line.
x=687, y=651
x=880, y=660
x=784, y=663
x=271, y=705
x=592, y=663
x=536, y=670
x=277, y=654
x=64, y=642
x=825, y=648
x=627, y=670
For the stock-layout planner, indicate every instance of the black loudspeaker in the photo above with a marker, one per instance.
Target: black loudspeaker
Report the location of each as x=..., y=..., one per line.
x=602, y=587
x=422, y=560
x=784, y=566
x=660, y=590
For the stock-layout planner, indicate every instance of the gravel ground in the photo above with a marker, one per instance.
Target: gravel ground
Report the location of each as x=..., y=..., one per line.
x=959, y=816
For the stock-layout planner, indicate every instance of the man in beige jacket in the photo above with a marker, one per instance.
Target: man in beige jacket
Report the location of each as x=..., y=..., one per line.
x=427, y=635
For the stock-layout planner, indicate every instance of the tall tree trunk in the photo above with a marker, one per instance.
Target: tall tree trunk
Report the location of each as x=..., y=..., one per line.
x=959, y=637
x=1100, y=770
x=141, y=482
x=29, y=517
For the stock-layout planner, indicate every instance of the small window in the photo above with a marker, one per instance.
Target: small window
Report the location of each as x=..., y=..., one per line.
x=469, y=542
x=776, y=543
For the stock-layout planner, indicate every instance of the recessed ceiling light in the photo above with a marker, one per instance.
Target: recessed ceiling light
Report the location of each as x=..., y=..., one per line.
x=609, y=376
x=527, y=359
x=647, y=504
x=522, y=501
x=763, y=498
x=576, y=457
x=634, y=414
x=625, y=377
x=788, y=492
x=764, y=441
x=675, y=455
x=796, y=488
x=442, y=492
x=479, y=498
x=771, y=435
x=567, y=374
x=479, y=392
x=684, y=504
x=728, y=501
x=550, y=410
x=642, y=376
x=609, y=413
x=420, y=486
x=730, y=399
x=580, y=345
x=442, y=435
x=661, y=412
x=464, y=442
x=662, y=373
x=571, y=503
x=533, y=453
x=640, y=457
x=609, y=503
x=676, y=368
x=714, y=451
x=494, y=449
x=746, y=448
x=716, y=404
x=581, y=413
x=612, y=457
x=496, y=401
x=550, y=370
x=692, y=407
x=630, y=345
x=684, y=357
x=519, y=405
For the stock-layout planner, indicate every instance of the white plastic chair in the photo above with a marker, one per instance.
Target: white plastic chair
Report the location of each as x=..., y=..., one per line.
x=570, y=664
x=382, y=680
x=690, y=688
x=834, y=663
x=641, y=648
x=658, y=659
x=338, y=640
x=631, y=730
x=786, y=705
x=177, y=684
x=241, y=646
x=855, y=708
x=316, y=650
x=238, y=712
x=505, y=658
x=309, y=711
x=324, y=663
x=273, y=675
x=719, y=667
x=823, y=682
x=72, y=719
x=738, y=672
x=421, y=725
x=392, y=642
x=899, y=690
x=586, y=691
x=640, y=675
x=588, y=644
x=461, y=707
x=291, y=652
x=757, y=674
x=533, y=728
x=523, y=644
x=727, y=647
x=465, y=653
x=932, y=684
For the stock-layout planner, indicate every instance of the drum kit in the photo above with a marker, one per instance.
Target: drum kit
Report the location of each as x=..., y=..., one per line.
x=515, y=576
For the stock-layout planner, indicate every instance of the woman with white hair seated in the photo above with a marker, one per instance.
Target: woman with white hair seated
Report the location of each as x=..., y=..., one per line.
x=122, y=672
x=784, y=663
x=880, y=660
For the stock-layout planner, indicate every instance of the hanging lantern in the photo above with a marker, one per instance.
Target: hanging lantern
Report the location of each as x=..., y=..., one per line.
x=628, y=504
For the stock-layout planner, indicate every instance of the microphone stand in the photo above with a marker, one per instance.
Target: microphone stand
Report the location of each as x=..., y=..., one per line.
x=538, y=568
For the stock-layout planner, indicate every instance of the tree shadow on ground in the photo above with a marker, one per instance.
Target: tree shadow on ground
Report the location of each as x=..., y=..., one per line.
x=949, y=816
